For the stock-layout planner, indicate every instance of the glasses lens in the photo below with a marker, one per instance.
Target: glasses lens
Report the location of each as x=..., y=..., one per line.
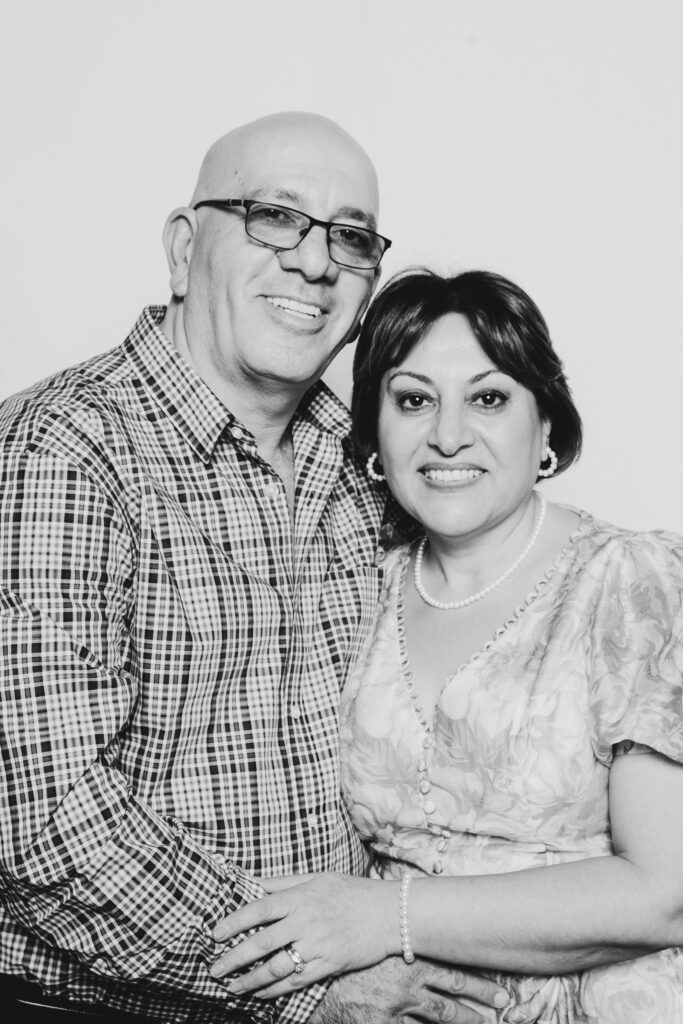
x=355, y=247
x=276, y=225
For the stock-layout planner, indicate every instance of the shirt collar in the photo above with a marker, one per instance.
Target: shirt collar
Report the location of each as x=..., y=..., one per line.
x=178, y=390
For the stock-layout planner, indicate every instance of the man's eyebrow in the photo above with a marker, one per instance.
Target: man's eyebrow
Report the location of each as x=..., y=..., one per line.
x=296, y=200
x=353, y=213
x=268, y=192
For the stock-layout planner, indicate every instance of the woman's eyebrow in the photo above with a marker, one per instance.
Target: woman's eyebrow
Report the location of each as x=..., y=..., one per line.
x=409, y=373
x=428, y=380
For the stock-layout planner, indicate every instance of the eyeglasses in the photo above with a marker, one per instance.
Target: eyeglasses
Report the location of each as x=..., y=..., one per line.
x=280, y=227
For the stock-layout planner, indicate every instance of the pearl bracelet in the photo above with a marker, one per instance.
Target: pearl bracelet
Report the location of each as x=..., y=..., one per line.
x=406, y=944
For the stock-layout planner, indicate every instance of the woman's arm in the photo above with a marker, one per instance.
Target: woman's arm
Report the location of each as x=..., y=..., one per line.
x=544, y=920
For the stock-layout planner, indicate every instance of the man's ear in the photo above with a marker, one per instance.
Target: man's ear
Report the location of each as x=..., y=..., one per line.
x=378, y=274
x=178, y=236
x=375, y=281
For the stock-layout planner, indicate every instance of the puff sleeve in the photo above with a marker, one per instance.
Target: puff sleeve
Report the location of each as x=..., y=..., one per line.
x=636, y=691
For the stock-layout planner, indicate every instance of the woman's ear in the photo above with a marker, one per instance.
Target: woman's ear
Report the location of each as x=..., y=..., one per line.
x=178, y=236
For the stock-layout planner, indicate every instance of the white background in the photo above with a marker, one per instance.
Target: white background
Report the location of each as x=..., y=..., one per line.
x=537, y=138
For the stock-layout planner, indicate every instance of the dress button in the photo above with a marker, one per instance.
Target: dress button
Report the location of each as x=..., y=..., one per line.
x=441, y=845
x=422, y=765
x=425, y=786
x=446, y=833
x=428, y=741
x=429, y=806
x=438, y=867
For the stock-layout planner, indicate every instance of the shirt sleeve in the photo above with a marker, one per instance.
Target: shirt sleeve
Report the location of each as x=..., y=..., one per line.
x=87, y=866
x=637, y=647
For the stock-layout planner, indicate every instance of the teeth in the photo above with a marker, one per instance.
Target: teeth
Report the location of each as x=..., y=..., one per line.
x=292, y=306
x=452, y=475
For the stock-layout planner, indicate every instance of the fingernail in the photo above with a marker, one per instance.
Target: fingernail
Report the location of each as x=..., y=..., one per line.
x=235, y=987
x=218, y=933
x=501, y=999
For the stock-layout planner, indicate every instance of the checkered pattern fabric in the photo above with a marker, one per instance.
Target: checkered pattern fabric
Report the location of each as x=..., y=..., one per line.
x=172, y=649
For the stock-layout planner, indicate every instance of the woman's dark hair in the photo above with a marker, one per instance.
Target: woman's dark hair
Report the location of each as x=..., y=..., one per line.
x=505, y=321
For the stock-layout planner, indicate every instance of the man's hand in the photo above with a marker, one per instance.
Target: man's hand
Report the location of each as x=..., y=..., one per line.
x=423, y=991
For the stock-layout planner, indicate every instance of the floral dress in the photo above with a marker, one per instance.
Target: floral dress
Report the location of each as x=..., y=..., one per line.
x=512, y=771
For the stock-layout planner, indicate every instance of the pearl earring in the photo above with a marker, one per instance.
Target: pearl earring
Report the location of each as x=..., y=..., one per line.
x=370, y=469
x=549, y=454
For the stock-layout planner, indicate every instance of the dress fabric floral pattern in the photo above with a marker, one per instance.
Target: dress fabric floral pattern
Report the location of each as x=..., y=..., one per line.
x=512, y=771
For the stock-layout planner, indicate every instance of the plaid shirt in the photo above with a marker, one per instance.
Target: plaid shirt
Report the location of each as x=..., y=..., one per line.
x=172, y=654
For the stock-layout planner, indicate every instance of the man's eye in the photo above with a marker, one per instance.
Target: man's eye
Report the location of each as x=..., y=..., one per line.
x=273, y=216
x=352, y=239
x=489, y=399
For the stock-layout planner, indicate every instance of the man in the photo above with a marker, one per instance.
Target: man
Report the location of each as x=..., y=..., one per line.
x=188, y=565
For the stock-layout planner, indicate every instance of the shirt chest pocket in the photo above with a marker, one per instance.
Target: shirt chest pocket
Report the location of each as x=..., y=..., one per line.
x=191, y=585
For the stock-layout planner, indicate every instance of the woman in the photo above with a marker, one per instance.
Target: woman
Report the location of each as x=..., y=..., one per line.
x=512, y=737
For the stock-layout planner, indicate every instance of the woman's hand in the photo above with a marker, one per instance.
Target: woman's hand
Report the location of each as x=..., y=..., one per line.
x=331, y=923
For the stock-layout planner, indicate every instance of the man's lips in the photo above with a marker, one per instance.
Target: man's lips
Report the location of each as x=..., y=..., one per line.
x=452, y=475
x=296, y=307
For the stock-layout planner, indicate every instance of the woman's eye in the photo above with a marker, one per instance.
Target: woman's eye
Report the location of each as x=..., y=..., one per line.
x=489, y=399
x=413, y=402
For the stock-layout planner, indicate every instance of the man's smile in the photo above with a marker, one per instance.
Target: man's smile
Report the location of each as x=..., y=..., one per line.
x=294, y=306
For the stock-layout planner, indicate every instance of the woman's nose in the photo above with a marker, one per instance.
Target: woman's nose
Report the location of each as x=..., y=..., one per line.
x=451, y=430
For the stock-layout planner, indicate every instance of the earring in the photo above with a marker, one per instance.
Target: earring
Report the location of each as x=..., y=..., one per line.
x=370, y=469
x=549, y=454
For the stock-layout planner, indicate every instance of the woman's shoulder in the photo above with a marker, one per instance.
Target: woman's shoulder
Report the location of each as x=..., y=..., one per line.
x=392, y=558
x=624, y=557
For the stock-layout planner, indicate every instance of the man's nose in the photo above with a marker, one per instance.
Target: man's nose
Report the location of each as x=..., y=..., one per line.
x=311, y=256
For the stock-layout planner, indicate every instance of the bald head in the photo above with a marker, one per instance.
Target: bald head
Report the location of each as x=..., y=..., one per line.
x=259, y=321
x=293, y=138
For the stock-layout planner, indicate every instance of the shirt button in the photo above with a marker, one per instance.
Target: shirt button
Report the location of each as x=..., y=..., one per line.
x=295, y=711
x=428, y=741
x=271, y=490
x=441, y=845
x=438, y=867
x=312, y=820
x=429, y=807
x=237, y=432
x=422, y=765
x=425, y=786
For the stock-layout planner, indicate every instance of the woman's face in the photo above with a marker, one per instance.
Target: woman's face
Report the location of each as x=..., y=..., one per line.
x=460, y=441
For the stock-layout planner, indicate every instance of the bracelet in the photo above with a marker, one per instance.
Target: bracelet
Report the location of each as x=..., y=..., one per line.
x=406, y=944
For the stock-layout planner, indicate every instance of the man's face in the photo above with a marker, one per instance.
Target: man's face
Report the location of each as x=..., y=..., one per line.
x=256, y=316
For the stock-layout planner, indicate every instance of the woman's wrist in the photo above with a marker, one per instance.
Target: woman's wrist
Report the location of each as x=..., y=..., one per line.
x=404, y=919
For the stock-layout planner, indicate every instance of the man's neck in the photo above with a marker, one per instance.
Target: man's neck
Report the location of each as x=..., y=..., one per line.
x=265, y=410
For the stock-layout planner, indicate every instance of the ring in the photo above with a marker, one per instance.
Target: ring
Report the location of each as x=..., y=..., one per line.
x=296, y=958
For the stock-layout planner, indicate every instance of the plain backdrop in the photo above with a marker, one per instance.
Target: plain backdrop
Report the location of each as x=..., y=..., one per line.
x=537, y=138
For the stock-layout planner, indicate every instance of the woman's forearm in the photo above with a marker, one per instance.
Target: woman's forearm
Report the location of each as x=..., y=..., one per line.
x=545, y=920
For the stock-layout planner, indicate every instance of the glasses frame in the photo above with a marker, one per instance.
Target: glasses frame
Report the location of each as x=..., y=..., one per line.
x=228, y=204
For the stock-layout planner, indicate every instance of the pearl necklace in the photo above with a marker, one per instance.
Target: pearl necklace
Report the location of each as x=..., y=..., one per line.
x=447, y=605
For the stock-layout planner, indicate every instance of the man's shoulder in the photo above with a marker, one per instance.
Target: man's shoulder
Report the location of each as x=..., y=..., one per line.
x=101, y=394
x=64, y=401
